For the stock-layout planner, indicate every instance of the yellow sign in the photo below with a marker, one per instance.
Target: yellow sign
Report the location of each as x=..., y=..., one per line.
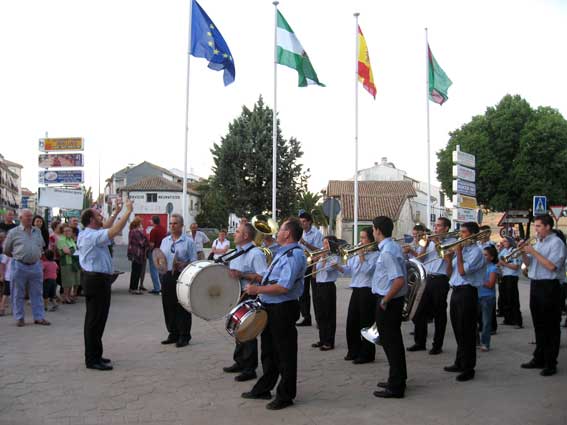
x=467, y=202
x=63, y=144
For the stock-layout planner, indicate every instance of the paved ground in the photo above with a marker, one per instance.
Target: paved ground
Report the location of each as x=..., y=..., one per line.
x=43, y=379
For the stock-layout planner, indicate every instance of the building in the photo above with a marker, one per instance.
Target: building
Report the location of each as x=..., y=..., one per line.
x=389, y=198
x=29, y=199
x=10, y=184
x=387, y=171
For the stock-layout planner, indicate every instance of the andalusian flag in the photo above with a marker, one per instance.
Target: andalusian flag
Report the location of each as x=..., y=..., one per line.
x=439, y=83
x=291, y=53
x=364, y=69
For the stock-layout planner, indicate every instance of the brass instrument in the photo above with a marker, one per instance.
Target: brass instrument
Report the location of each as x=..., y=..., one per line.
x=264, y=226
x=444, y=249
x=516, y=253
x=346, y=252
x=426, y=238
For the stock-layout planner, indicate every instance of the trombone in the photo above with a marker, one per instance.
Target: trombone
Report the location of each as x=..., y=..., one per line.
x=344, y=253
x=424, y=241
x=444, y=249
x=516, y=253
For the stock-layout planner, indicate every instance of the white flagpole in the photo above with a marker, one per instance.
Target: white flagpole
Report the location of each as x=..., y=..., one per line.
x=355, y=226
x=185, y=153
x=428, y=220
x=275, y=115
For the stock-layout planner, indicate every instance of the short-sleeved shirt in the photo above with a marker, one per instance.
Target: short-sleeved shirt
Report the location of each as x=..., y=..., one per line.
x=199, y=240
x=157, y=234
x=92, y=246
x=313, y=237
x=483, y=291
x=182, y=249
x=361, y=272
x=390, y=265
x=49, y=269
x=287, y=270
x=325, y=270
x=552, y=248
x=508, y=271
x=474, y=265
x=253, y=261
x=217, y=244
x=434, y=265
x=24, y=246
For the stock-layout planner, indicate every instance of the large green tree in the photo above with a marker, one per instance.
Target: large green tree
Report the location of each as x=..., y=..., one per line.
x=519, y=153
x=242, y=179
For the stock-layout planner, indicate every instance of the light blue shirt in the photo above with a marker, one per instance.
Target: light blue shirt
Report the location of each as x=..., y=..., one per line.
x=474, y=265
x=433, y=264
x=361, y=272
x=326, y=272
x=183, y=249
x=254, y=261
x=390, y=264
x=483, y=290
x=505, y=271
x=273, y=247
x=553, y=249
x=94, y=255
x=287, y=270
x=313, y=237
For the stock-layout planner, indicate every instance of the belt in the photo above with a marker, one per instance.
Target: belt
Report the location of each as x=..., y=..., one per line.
x=27, y=264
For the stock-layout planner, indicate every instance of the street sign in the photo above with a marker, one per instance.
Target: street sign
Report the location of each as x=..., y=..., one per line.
x=463, y=158
x=60, y=160
x=464, y=201
x=464, y=187
x=557, y=211
x=331, y=208
x=72, y=213
x=58, y=197
x=62, y=144
x=539, y=205
x=466, y=214
x=464, y=173
x=61, y=177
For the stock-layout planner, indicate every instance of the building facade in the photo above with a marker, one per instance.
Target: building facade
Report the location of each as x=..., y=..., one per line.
x=10, y=184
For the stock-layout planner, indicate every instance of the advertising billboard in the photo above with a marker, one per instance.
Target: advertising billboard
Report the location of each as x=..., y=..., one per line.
x=61, y=144
x=61, y=177
x=57, y=197
x=60, y=160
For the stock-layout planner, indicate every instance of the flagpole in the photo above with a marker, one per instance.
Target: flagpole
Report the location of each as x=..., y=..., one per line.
x=275, y=114
x=185, y=152
x=357, y=47
x=428, y=220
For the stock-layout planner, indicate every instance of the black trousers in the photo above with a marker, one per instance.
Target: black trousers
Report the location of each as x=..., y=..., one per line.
x=512, y=313
x=361, y=314
x=96, y=288
x=135, y=275
x=433, y=305
x=545, y=306
x=325, y=306
x=279, y=351
x=305, y=298
x=246, y=353
x=389, y=324
x=177, y=319
x=464, y=307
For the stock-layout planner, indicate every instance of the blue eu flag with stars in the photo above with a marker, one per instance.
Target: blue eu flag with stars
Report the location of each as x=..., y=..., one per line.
x=207, y=42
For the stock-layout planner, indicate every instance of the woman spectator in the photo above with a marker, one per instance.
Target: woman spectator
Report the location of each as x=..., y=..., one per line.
x=220, y=245
x=39, y=222
x=137, y=249
x=69, y=264
x=487, y=296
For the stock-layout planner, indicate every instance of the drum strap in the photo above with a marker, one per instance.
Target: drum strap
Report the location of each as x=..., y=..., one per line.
x=265, y=279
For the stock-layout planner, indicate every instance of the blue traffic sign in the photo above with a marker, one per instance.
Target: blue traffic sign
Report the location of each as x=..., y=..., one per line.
x=539, y=205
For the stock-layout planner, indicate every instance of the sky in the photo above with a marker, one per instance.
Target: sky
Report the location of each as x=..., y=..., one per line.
x=114, y=73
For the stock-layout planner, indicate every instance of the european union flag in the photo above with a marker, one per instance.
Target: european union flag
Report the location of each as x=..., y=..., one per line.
x=207, y=42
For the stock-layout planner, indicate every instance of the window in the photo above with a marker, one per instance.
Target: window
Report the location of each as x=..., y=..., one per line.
x=151, y=197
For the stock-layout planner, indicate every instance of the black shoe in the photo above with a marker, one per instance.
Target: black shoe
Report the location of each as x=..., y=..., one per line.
x=245, y=376
x=452, y=368
x=532, y=364
x=278, y=404
x=348, y=357
x=304, y=322
x=105, y=361
x=170, y=340
x=383, y=385
x=153, y=292
x=317, y=344
x=548, y=371
x=465, y=376
x=434, y=351
x=99, y=366
x=326, y=347
x=254, y=396
x=416, y=347
x=518, y=327
x=182, y=342
x=143, y=289
x=362, y=361
x=388, y=393
x=232, y=369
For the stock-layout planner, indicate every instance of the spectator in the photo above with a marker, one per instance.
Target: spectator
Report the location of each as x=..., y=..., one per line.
x=220, y=245
x=157, y=233
x=137, y=251
x=8, y=222
x=199, y=239
x=5, y=275
x=70, y=278
x=39, y=222
x=74, y=223
x=50, y=269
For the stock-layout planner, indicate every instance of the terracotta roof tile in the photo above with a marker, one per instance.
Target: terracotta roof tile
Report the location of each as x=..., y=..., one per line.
x=158, y=184
x=371, y=188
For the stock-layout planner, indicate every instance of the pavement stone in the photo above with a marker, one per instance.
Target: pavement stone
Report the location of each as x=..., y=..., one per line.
x=43, y=380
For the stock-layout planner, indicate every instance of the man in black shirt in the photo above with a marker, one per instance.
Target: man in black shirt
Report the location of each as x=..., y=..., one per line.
x=8, y=221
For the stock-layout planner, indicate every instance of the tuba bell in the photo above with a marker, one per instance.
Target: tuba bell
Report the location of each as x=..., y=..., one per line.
x=264, y=226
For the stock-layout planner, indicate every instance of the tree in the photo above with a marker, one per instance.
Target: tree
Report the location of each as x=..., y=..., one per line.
x=242, y=180
x=214, y=211
x=87, y=198
x=309, y=202
x=518, y=154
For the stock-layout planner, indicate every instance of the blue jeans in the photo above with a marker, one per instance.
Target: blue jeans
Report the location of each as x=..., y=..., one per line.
x=31, y=276
x=154, y=273
x=486, y=307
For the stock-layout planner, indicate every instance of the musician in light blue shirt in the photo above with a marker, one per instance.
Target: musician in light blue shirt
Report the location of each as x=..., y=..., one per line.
x=508, y=289
x=362, y=305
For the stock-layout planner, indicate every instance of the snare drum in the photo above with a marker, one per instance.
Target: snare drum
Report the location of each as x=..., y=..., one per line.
x=207, y=290
x=247, y=320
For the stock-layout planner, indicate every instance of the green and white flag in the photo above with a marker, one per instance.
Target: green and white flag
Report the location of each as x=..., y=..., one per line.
x=291, y=53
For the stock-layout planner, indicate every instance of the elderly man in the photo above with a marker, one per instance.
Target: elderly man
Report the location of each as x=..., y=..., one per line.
x=8, y=223
x=199, y=239
x=96, y=263
x=25, y=245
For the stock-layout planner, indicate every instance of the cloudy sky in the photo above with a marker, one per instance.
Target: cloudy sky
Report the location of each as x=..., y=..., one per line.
x=114, y=73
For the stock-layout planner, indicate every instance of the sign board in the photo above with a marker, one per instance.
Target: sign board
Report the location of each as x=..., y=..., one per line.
x=463, y=158
x=464, y=187
x=539, y=205
x=331, y=207
x=58, y=197
x=460, y=172
x=556, y=210
x=466, y=214
x=60, y=160
x=505, y=220
x=518, y=213
x=63, y=144
x=61, y=177
x=71, y=213
x=464, y=201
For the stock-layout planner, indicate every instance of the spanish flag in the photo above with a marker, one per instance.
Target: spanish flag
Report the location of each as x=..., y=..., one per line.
x=364, y=68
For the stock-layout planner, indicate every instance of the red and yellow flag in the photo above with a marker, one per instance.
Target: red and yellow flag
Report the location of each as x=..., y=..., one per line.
x=364, y=68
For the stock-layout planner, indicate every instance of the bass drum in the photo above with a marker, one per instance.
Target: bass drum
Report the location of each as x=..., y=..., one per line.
x=205, y=289
x=417, y=279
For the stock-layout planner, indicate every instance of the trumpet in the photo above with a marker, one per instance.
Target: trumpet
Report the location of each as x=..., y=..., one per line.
x=426, y=238
x=346, y=253
x=444, y=249
x=518, y=251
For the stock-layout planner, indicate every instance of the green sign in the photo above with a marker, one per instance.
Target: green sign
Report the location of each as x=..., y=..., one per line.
x=71, y=213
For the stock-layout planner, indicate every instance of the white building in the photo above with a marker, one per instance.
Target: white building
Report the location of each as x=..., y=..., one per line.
x=10, y=184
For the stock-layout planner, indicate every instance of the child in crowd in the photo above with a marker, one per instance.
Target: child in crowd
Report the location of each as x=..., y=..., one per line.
x=487, y=296
x=5, y=276
x=50, y=269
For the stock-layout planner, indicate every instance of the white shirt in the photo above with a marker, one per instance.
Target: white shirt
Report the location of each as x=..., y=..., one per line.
x=552, y=248
x=199, y=240
x=220, y=245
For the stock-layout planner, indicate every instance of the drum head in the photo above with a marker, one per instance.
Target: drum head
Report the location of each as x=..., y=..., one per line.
x=252, y=327
x=159, y=260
